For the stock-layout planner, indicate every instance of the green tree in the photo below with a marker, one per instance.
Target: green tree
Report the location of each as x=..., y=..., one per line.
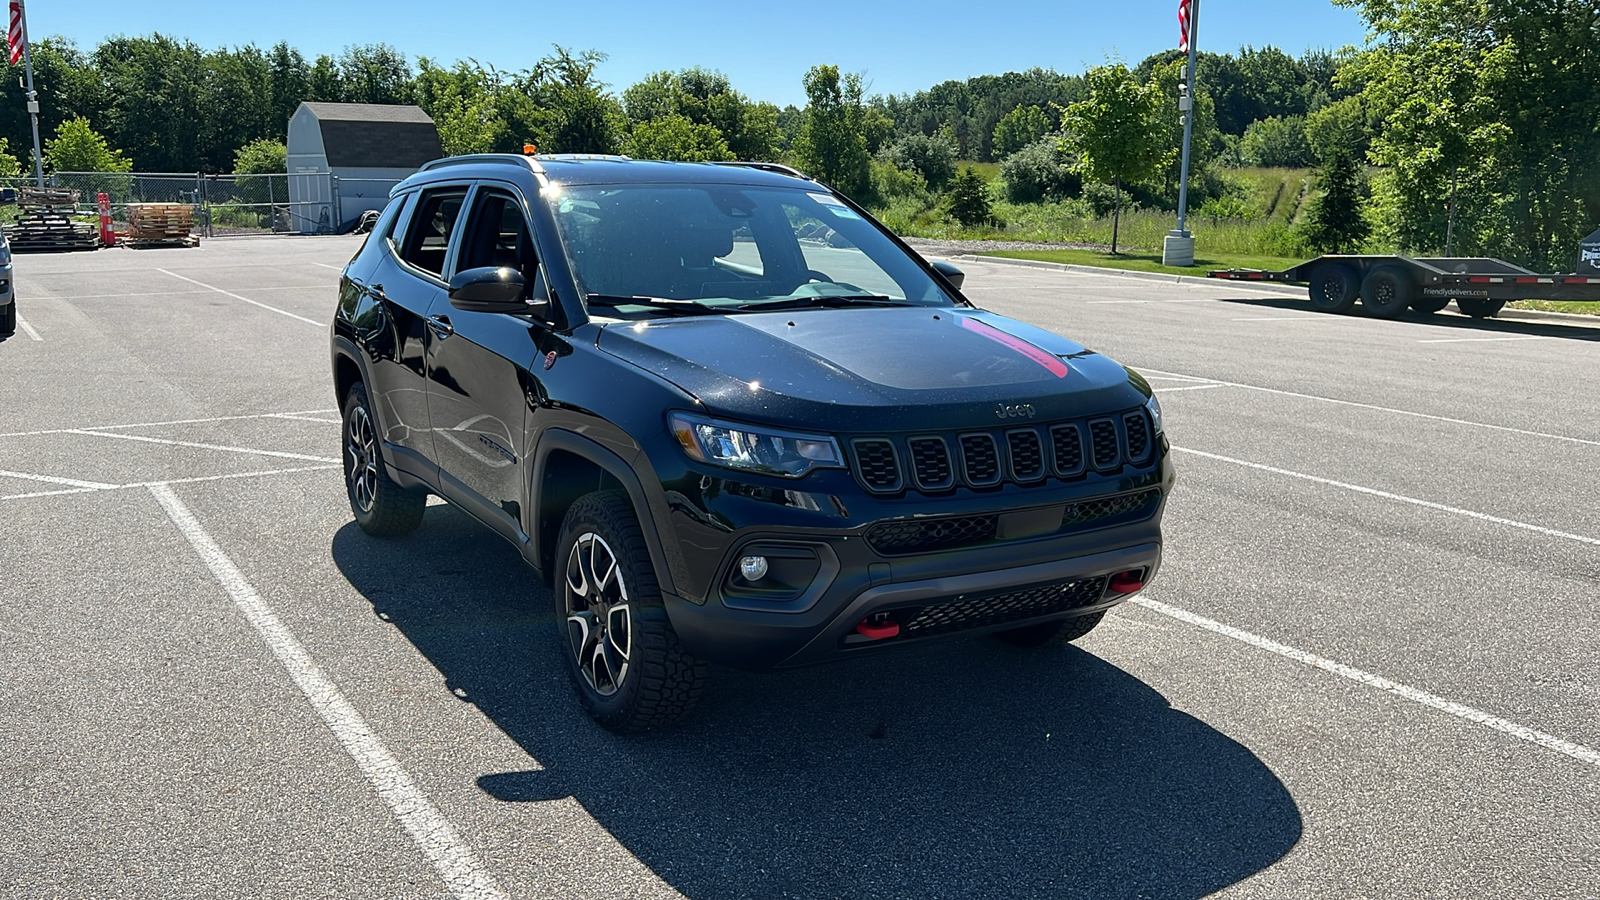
x=9, y=166
x=832, y=146
x=322, y=82
x=263, y=156
x=467, y=105
x=705, y=97
x=290, y=82
x=1116, y=132
x=1340, y=127
x=934, y=158
x=584, y=117
x=1276, y=142
x=967, y=201
x=1488, y=116
x=1019, y=128
x=374, y=73
x=77, y=147
x=1207, y=143
x=676, y=138
x=1335, y=222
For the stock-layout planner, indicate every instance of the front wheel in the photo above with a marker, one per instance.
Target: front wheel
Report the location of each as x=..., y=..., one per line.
x=1478, y=308
x=382, y=508
x=624, y=659
x=1334, y=288
x=1051, y=634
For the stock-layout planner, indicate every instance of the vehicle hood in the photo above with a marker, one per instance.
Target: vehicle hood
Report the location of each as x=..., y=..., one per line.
x=876, y=368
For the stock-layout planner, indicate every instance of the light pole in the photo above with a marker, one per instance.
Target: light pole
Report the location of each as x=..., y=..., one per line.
x=33, y=96
x=1178, y=248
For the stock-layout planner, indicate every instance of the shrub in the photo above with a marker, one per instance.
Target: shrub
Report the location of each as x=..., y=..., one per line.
x=1019, y=128
x=1276, y=142
x=890, y=182
x=934, y=158
x=1038, y=172
x=968, y=200
x=1102, y=200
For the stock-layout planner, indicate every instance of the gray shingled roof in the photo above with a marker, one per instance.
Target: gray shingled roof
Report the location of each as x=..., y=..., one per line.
x=368, y=112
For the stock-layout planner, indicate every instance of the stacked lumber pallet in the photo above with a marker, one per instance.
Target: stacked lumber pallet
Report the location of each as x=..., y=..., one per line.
x=45, y=222
x=159, y=224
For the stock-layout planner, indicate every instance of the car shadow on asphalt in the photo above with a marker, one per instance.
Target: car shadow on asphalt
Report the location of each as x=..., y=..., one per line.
x=1448, y=319
x=964, y=769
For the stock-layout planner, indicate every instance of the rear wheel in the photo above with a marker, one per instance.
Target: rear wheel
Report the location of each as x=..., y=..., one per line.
x=1429, y=305
x=623, y=656
x=1480, y=309
x=8, y=318
x=1386, y=292
x=382, y=507
x=1334, y=288
x=1051, y=634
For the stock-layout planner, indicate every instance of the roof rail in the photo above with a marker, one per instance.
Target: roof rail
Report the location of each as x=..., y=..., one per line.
x=582, y=157
x=779, y=168
x=506, y=159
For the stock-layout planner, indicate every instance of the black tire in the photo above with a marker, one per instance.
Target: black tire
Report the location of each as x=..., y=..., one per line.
x=1478, y=308
x=1386, y=291
x=8, y=318
x=1429, y=305
x=1334, y=288
x=382, y=508
x=1051, y=634
x=605, y=583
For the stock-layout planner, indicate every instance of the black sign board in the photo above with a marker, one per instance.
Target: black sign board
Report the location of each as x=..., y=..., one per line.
x=1589, y=255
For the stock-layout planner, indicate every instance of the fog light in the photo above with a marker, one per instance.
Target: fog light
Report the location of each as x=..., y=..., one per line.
x=753, y=568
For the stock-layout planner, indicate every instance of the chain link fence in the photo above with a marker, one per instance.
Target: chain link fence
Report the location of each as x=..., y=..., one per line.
x=223, y=205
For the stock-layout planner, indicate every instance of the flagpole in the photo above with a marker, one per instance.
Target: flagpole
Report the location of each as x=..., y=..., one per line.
x=33, y=96
x=1178, y=249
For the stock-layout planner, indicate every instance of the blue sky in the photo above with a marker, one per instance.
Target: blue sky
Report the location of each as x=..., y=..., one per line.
x=764, y=48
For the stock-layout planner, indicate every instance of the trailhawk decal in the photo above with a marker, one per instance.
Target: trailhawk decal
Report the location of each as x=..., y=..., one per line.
x=1038, y=355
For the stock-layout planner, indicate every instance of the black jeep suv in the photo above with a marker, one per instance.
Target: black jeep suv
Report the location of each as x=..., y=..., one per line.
x=728, y=417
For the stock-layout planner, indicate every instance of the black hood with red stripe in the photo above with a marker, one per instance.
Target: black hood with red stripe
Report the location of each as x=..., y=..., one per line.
x=876, y=369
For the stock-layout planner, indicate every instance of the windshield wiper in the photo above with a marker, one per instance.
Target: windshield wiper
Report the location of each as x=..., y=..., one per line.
x=680, y=307
x=826, y=300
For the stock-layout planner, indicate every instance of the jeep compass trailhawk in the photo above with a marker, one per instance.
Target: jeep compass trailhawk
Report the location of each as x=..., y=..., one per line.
x=728, y=417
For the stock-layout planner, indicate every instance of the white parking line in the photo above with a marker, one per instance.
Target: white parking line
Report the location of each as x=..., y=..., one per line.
x=300, y=418
x=326, y=266
x=438, y=840
x=308, y=412
x=1192, y=387
x=145, y=484
x=1401, y=498
x=1415, y=695
x=52, y=479
x=1308, y=317
x=247, y=450
x=1520, y=337
x=281, y=312
x=27, y=329
x=1387, y=409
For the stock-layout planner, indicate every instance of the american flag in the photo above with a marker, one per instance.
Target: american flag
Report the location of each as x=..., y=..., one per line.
x=1183, y=23
x=16, y=40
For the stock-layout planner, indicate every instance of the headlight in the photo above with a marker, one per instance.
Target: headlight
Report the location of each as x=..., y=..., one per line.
x=764, y=450
x=1154, y=406
x=5, y=253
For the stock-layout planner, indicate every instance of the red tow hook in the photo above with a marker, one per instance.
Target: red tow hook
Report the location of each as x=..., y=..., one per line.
x=1126, y=583
x=883, y=628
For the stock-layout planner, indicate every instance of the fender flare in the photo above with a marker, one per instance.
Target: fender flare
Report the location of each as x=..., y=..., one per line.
x=560, y=440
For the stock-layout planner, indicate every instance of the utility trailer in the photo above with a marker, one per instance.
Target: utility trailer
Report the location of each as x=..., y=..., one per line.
x=1388, y=285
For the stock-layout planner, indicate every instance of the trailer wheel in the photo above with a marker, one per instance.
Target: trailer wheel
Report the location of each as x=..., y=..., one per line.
x=1479, y=308
x=1387, y=291
x=1334, y=288
x=1429, y=305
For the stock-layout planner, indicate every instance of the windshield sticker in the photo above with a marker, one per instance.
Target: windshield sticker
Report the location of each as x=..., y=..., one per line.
x=826, y=199
x=843, y=212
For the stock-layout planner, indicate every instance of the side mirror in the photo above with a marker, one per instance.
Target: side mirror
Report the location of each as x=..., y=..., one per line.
x=490, y=290
x=951, y=274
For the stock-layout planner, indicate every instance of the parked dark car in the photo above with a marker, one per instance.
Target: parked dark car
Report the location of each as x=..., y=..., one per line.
x=8, y=289
x=728, y=417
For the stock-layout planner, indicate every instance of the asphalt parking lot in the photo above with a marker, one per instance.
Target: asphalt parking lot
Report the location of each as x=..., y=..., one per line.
x=1368, y=668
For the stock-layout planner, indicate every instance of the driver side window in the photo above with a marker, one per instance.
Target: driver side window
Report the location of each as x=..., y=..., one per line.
x=431, y=227
x=498, y=235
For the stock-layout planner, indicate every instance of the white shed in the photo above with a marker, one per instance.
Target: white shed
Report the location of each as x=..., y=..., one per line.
x=344, y=158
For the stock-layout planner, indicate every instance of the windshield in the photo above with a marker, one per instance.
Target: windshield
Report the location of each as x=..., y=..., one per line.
x=732, y=248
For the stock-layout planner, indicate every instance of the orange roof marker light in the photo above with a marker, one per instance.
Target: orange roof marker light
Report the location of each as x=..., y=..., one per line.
x=529, y=149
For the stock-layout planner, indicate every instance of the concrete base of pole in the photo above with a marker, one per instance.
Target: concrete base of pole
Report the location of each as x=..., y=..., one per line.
x=1178, y=249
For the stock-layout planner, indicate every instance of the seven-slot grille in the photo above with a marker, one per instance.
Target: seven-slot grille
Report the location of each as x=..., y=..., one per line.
x=1025, y=455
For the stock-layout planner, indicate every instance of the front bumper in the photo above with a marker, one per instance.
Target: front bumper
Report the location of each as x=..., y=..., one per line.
x=924, y=609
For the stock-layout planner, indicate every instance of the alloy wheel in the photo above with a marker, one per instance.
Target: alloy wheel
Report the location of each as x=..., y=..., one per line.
x=361, y=459
x=599, y=616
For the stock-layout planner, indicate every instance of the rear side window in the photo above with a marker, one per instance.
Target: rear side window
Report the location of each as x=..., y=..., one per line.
x=438, y=213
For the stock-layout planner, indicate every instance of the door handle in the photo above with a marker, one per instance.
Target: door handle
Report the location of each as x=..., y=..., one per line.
x=441, y=326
